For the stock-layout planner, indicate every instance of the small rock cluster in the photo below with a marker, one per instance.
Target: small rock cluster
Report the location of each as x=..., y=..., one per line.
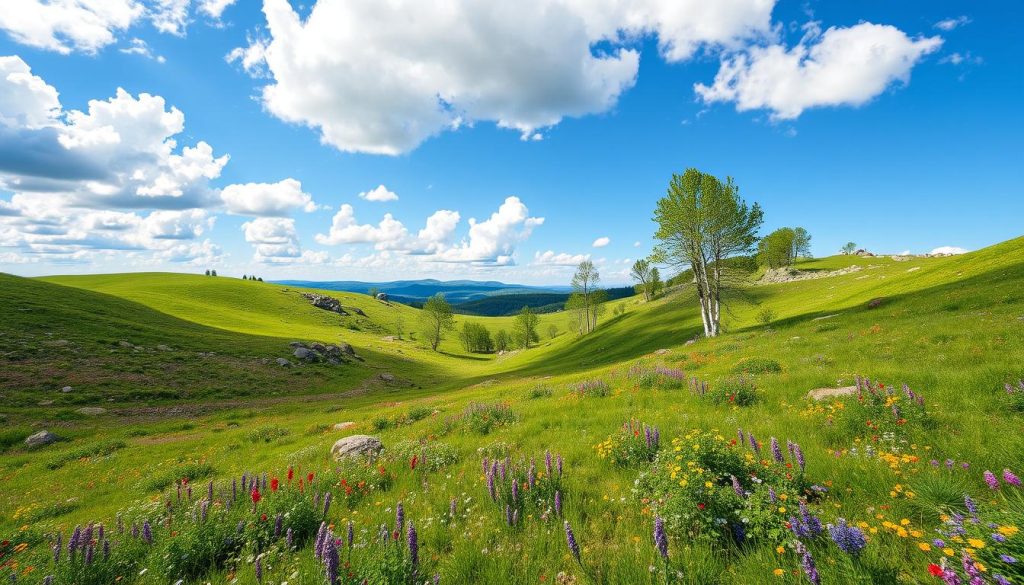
x=325, y=302
x=316, y=352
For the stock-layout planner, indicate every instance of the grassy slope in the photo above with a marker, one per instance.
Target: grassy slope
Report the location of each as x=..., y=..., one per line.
x=952, y=328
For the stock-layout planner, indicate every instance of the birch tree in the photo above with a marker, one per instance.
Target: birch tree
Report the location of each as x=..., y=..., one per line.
x=702, y=221
x=584, y=283
x=641, y=273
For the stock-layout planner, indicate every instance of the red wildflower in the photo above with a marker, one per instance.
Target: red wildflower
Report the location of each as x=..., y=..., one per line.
x=255, y=495
x=700, y=506
x=274, y=484
x=412, y=464
x=263, y=517
x=291, y=473
x=935, y=570
x=309, y=478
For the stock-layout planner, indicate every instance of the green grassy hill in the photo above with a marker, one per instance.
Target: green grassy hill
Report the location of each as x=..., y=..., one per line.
x=952, y=329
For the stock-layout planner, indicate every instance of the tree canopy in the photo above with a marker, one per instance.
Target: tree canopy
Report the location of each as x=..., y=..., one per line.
x=436, y=318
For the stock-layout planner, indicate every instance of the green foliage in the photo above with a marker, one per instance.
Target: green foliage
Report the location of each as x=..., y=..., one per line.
x=436, y=318
x=98, y=450
x=268, y=434
x=657, y=376
x=541, y=391
x=634, y=444
x=476, y=338
x=431, y=455
x=596, y=388
x=525, y=328
x=691, y=486
x=765, y=316
x=160, y=481
x=848, y=248
x=737, y=390
x=776, y=249
x=480, y=418
x=757, y=365
x=502, y=340
x=360, y=479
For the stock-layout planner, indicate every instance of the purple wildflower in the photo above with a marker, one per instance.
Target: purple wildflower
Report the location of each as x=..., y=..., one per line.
x=331, y=562
x=209, y=492
x=736, y=487
x=289, y=538
x=508, y=514
x=259, y=569
x=1008, y=559
x=327, y=503
x=660, y=538
x=1010, y=478
x=515, y=491
x=278, y=525
x=753, y=443
x=799, y=456
x=147, y=532
x=772, y=497
x=351, y=534
x=558, y=503
x=414, y=546
x=57, y=548
x=484, y=465
x=810, y=569
x=559, y=461
x=106, y=549
x=849, y=539
x=399, y=517
x=570, y=539
x=318, y=543
x=970, y=505
x=741, y=437
x=88, y=554
x=776, y=450
x=547, y=463
x=991, y=480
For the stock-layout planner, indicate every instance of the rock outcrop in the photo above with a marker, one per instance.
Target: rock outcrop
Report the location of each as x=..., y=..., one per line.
x=356, y=446
x=325, y=302
x=40, y=439
x=321, y=352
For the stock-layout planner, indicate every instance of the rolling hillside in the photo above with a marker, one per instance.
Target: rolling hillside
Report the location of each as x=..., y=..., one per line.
x=951, y=329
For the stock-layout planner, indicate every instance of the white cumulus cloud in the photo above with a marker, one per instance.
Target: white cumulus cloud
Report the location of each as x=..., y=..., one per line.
x=843, y=66
x=380, y=193
x=602, y=242
x=382, y=77
x=389, y=234
x=949, y=250
x=267, y=199
x=550, y=258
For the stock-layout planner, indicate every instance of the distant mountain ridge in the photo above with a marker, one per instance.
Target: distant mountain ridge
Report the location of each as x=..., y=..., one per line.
x=405, y=291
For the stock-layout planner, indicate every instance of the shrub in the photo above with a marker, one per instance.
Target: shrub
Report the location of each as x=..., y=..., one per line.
x=709, y=488
x=765, y=316
x=539, y=392
x=268, y=434
x=430, y=455
x=598, y=388
x=480, y=418
x=98, y=450
x=358, y=478
x=382, y=423
x=189, y=471
x=738, y=390
x=418, y=413
x=635, y=443
x=659, y=376
x=756, y=365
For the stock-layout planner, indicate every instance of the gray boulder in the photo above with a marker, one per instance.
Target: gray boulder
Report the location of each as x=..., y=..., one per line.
x=283, y=362
x=356, y=446
x=66, y=389
x=305, y=354
x=40, y=439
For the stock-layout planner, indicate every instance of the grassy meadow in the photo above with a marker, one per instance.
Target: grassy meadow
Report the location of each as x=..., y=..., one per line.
x=741, y=468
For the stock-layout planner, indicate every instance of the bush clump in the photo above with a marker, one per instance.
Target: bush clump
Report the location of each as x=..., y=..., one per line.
x=739, y=391
x=756, y=365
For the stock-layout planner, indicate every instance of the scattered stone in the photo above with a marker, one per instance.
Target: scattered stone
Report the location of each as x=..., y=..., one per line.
x=347, y=349
x=325, y=302
x=45, y=402
x=357, y=311
x=661, y=351
x=298, y=344
x=690, y=342
x=389, y=338
x=163, y=347
x=123, y=343
x=383, y=297
x=355, y=446
x=790, y=274
x=40, y=439
x=387, y=377
x=822, y=393
x=308, y=355
x=901, y=258
x=91, y=410
x=342, y=426
x=66, y=389
x=283, y=363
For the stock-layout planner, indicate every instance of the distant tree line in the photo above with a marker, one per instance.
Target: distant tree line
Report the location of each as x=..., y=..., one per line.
x=437, y=320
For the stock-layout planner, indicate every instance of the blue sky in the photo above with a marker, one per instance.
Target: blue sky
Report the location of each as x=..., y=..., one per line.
x=552, y=125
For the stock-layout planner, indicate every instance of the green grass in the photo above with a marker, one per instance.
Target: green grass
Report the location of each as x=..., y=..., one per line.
x=951, y=328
